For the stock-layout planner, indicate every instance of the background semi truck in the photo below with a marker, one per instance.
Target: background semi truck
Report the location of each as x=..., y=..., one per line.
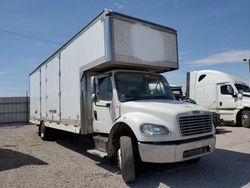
x=105, y=82
x=178, y=94
x=177, y=91
x=222, y=93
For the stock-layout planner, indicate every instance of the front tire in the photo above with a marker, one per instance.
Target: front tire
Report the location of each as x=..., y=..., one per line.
x=245, y=119
x=126, y=159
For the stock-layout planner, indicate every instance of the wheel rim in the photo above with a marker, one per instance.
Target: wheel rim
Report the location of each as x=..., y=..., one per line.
x=244, y=119
x=42, y=135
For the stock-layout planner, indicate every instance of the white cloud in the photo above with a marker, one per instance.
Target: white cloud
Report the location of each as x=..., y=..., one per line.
x=4, y=73
x=235, y=56
x=119, y=5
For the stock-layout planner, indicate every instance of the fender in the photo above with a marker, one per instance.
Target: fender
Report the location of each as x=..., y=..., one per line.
x=129, y=124
x=135, y=119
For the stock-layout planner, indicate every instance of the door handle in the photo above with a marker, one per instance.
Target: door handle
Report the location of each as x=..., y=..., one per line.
x=95, y=115
x=220, y=103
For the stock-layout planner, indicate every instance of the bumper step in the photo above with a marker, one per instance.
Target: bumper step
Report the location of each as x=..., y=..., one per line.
x=97, y=153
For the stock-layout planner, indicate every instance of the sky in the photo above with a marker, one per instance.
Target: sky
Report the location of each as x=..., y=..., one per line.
x=212, y=34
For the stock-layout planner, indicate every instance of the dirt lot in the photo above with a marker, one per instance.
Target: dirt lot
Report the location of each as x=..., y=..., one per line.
x=27, y=161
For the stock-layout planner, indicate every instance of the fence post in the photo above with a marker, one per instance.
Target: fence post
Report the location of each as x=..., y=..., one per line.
x=27, y=106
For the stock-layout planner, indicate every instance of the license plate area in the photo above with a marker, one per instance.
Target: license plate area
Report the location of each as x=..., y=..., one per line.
x=196, y=151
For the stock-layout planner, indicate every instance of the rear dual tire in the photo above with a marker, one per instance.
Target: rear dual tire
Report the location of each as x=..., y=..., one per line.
x=44, y=132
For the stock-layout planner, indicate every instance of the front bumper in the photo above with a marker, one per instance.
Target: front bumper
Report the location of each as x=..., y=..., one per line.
x=169, y=153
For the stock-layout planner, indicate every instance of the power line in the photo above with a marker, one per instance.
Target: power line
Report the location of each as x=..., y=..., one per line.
x=29, y=37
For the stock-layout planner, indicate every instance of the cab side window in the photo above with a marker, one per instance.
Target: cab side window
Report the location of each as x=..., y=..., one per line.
x=226, y=90
x=105, y=89
x=201, y=77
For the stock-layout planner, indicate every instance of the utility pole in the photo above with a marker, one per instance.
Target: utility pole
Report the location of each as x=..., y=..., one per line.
x=27, y=107
x=247, y=60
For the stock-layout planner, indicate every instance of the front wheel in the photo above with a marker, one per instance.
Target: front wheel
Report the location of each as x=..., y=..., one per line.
x=126, y=159
x=245, y=119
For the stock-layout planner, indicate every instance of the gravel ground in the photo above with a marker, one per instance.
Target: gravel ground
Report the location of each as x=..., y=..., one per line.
x=27, y=161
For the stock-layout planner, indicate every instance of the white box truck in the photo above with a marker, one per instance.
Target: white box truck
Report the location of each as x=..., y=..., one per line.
x=222, y=93
x=105, y=82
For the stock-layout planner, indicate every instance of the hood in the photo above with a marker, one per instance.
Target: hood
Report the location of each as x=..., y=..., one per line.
x=246, y=94
x=160, y=112
x=246, y=99
x=164, y=107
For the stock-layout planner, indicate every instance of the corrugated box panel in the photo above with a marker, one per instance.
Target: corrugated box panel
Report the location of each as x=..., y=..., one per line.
x=14, y=110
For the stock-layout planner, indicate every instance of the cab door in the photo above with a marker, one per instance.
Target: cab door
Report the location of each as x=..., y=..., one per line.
x=102, y=106
x=226, y=101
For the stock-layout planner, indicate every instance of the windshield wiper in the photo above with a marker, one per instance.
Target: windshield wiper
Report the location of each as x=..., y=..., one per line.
x=156, y=97
x=131, y=99
x=145, y=98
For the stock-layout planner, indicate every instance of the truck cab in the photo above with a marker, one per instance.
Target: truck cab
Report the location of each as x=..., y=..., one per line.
x=140, y=105
x=222, y=93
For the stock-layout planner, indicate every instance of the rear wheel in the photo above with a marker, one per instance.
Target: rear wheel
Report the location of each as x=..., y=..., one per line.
x=44, y=132
x=245, y=119
x=39, y=130
x=126, y=159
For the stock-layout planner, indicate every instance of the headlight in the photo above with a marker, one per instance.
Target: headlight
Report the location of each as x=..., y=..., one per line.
x=150, y=130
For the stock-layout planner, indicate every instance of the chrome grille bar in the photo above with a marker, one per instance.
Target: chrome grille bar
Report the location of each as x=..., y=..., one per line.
x=191, y=125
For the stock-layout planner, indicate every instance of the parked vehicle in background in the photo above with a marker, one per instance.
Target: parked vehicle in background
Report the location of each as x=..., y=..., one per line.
x=178, y=94
x=106, y=83
x=177, y=91
x=222, y=93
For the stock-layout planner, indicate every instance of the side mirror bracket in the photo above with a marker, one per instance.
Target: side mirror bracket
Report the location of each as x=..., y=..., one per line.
x=96, y=89
x=93, y=97
x=235, y=94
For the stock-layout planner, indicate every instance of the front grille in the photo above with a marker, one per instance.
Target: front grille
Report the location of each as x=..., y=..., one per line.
x=191, y=125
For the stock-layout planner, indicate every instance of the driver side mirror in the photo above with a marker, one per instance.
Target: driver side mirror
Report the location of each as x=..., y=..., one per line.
x=240, y=96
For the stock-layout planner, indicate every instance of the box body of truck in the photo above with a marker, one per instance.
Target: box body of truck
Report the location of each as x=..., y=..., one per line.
x=106, y=82
x=222, y=93
x=58, y=86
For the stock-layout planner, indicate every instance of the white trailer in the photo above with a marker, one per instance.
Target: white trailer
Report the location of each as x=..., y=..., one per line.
x=222, y=93
x=105, y=82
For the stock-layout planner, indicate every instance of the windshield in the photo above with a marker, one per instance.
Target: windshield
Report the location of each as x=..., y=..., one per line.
x=138, y=86
x=242, y=88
